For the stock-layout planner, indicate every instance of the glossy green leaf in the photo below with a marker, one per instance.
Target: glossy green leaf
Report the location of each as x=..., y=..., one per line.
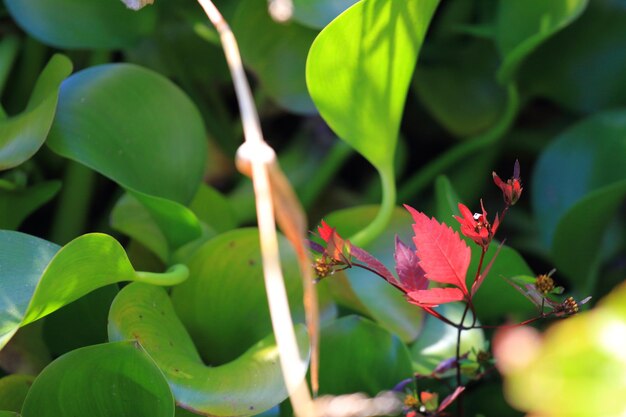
x=578, y=237
x=13, y=390
x=16, y=204
x=113, y=379
x=214, y=209
x=80, y=323
x=23, y=134
x=522, y=25
x=382, y=301
x=573, y=165
x=249, y=384
x=361, y=99
x=578, y=368
x=586, y=78
x=277, y=53
x=461, y=92
x=213, y=304
x=437, y=340
x=39, y=277
x=357, y=355
x=318, y=13
x=140, y=130
x=496, y=298
x=82, y=24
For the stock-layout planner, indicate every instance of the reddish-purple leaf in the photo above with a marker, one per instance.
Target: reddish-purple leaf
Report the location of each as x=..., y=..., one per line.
x=443, y=255
x=410, y=274
x=435, y=296
x=450, y=398
x=366, y=259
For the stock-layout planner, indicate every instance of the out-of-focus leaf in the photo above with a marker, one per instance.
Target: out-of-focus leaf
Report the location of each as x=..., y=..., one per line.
x=80, y=323
x=578, y=237
x=81, y=24
x=580, y=68
x=213, y=209
x=26, y=352
x=522, y=25
x=16, y=204
x=461, y=92
x=223, y=304
x=247, y=385
x=113, y=379
x=573, y=165
x=22, y=135
x=137, y=4
x=357, y=355
x=277, y=53
x=318, y=13
x=137, y=128
x=382, y=301
x=39, y=277
x=360, y=99
x=437, y=340
x=577, y=369
x=13, y=390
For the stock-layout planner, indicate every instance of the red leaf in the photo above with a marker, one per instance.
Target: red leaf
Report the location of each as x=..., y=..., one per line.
x=410, y=273
x=435, y=296
x=443, y=255
x=450, y=398
x=336, y=247
x=368, y=260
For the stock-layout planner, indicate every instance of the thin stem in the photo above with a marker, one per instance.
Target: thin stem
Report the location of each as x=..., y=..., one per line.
x=173, y=276
x=425, y=176
x=458, y=358
x=388, y=204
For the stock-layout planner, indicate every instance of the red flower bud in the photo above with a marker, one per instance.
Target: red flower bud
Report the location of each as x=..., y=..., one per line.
x=512, y=189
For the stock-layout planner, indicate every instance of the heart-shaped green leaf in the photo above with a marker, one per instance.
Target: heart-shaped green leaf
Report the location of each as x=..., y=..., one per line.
x=225, y=290
x=82, y=23
x=357, y=355
x=22, y=135
x=382, y=301
x=39, y=277
x=277, y=53
x=360, y=99
x=522, y=25
x=112, y=379
x=137, y=128
x=247, y=385
x=318, y=13
x=16, y=204
x=572, y=166
x=437, y=340
x=578, y=237
x=13, y=390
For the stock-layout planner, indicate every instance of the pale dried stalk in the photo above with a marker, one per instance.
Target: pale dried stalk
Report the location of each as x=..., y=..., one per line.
x=280, y=10
x=256, y=157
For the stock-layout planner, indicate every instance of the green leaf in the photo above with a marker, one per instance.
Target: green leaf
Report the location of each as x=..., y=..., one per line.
x=522, y=25
x=318, y=13
x=214, y=209
x=381, y=301
x=8, y=414
x=226, y=289
x=580, y=68
x=22, y=135
x=249, y=384
x=577, y=245
x=360, y=99
x=13, y=390
x=572, y=166
x=437, y=340
x=277, y=53
x=16, y=204
x=137, y=128
x=82, y=24
x=39, y=277
x=357, y=355
x=113, y=379
x=80, y=323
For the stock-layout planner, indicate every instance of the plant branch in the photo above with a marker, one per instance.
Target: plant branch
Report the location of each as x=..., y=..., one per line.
x=256, y=158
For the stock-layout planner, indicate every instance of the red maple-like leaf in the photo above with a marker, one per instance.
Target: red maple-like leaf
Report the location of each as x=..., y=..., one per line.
x=411, y=276
x=443, y=256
